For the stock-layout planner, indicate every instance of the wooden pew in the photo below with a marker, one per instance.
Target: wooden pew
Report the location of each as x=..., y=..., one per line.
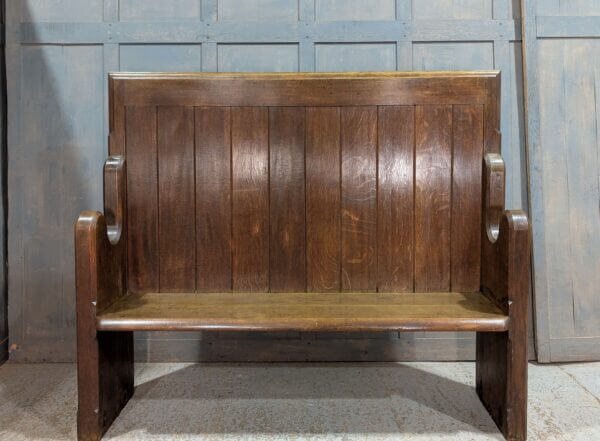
x=302, y=202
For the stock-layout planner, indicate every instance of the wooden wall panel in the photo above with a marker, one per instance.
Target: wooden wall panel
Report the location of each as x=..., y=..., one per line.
x=563, y=138
x=176, y=199
x=160, y=57
x=287, y=130
x=330, y=57
x=213, y=199
x=96, y=37
x=359, y=198
x=466, y=9
x=257, y=58
x=160, y=10
x=258, y=10
x=433, y=182
x=250, y=198
x=395, y=199
x=323, y=199
x=350, y=10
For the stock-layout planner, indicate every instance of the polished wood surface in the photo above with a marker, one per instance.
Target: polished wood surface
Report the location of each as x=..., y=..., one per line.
x=303, y=203
x=304, y=312
x=276, y=199
x=306, y=89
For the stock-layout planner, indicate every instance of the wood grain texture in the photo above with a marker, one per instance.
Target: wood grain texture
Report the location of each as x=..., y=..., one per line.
x=250, y=192
x=395, y=199
x=323, y=199
x=104, y=360
x=287, y=268
x=433, y=162
x=176, y=199
x=321, y=89
x=213, y=198
x=142, y=199
x=304, y=312
x=465, y=237
x=359, y=203
x=501, y=367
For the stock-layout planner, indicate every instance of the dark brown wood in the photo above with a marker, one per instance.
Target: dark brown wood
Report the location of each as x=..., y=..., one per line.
x=250, y=192
x=104, y=359
x=359, y=203
x=142, y=199
x=323, y=199
x=305, y=312
x=115, y=204
x=501, y=367
x=336, y=184
x=176, y=196
x=287, y=268
x=433, y=162
x=305, y=89
x=465, y=237
x=213, y=198
x=395, y=199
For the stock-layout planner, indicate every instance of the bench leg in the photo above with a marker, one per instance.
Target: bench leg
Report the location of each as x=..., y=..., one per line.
x=501, y=375
x=104, y=378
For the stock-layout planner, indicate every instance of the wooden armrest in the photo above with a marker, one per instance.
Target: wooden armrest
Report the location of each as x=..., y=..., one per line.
x=100, y=244
x=505, y=243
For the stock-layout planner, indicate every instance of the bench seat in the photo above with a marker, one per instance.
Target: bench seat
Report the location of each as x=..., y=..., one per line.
x=445, y=311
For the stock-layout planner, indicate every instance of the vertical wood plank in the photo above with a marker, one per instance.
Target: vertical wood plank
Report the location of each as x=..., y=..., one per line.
x=142, y=199
x=395, y=199
x=176, y=201
x=359, y=198
x=582, y=166
x=323, y=229
x=287, y=268
x=467, y=130
x=250, y=191
x=433, y=157
x=213, y=198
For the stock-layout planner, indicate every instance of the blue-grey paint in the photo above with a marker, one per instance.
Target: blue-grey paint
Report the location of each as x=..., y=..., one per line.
x=60, y=53
x=563, y=146
x=3, y=199
x=150, y=57
x=257, y=57
x=334, y=57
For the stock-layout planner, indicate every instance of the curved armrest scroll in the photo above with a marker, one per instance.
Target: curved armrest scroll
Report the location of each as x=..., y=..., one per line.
x=99, y=265
x=114, y=197
x=493, y=194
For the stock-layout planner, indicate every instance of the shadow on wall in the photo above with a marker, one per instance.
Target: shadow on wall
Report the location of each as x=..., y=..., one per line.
x=55, y=172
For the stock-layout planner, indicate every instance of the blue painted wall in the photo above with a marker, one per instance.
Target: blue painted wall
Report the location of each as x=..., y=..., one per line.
x=61, y=51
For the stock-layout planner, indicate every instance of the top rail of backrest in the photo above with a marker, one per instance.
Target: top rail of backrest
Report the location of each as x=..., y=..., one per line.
x=309, y=89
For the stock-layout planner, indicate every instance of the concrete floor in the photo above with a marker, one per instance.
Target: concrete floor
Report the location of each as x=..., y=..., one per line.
x=346, y=401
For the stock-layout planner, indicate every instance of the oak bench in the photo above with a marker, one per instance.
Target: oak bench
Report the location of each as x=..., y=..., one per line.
x=302, y=202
